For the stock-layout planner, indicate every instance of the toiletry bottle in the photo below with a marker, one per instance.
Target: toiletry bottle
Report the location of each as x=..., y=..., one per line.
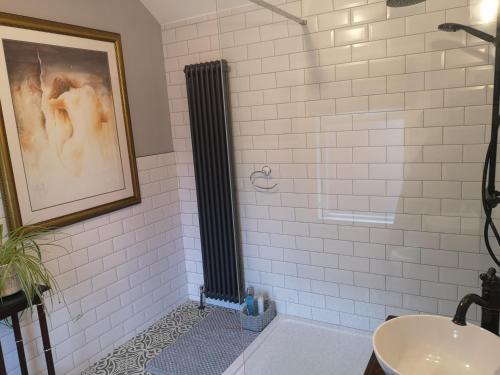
x=250, y=301
x=260, y=304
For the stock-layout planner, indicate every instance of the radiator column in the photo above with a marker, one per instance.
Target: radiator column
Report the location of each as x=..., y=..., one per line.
x=208, y=100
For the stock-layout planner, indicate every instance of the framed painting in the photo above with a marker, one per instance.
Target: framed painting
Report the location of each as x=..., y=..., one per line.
x=66, y=145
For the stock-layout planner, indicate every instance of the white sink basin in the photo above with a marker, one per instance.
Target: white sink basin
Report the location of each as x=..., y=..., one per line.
x=432, y=345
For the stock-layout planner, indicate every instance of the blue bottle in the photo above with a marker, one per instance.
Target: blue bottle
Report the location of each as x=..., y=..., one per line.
x=250, y=301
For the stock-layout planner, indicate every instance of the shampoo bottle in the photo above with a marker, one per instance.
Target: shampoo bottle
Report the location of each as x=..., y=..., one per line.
x=250, y=301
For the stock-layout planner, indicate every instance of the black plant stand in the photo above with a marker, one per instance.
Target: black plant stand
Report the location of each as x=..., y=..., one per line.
x=12, y=306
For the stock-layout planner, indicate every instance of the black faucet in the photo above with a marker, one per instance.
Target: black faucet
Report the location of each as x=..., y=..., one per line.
x=489, y=302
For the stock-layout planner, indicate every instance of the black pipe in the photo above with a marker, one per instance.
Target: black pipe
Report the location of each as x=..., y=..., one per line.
x=495, y=120
x=402, y=3
x=490, y=196
x=202, y=298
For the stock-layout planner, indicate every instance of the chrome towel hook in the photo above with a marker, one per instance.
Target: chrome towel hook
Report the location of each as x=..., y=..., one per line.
x=265, y=172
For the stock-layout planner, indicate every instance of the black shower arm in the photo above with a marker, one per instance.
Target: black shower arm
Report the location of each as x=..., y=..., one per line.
x=453, y=27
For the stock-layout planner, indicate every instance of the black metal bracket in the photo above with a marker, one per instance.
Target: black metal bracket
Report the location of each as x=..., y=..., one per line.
x=492, y=200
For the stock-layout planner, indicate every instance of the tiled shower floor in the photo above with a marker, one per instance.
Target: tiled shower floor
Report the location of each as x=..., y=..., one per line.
x=346, y=350
x=131, y=357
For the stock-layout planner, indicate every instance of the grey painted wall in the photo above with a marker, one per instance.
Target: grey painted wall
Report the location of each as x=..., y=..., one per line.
x=143, y=54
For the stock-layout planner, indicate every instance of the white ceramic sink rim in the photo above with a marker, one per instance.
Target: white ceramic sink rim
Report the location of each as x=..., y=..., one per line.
x=461, y=342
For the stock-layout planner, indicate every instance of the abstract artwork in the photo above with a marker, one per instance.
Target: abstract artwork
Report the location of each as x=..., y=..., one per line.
x=66, y=142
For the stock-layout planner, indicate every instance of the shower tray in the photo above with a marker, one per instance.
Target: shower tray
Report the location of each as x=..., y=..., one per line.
x=295, y=346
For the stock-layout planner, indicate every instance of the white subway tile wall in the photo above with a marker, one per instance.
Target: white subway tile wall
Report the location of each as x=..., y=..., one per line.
x=121, y=271
x=375, y=126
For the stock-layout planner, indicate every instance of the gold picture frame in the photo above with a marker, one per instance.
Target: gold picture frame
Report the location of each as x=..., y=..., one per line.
x=49, y=34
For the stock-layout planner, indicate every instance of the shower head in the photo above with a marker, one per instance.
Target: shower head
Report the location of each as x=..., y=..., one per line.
x=402, y=3
x=449, y=27
x=454, y=27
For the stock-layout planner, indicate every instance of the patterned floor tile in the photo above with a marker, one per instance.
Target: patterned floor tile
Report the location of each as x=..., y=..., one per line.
x=131, y=357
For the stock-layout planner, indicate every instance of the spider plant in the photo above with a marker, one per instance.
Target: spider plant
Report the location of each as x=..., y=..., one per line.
x=21, y=257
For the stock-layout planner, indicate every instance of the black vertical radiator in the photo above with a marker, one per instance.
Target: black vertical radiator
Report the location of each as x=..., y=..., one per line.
x=208, y=99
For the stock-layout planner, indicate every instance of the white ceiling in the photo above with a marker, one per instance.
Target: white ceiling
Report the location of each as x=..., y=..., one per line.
x=166, y=11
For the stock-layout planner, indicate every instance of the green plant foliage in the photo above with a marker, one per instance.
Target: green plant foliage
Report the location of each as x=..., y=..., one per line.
x=21, y=252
